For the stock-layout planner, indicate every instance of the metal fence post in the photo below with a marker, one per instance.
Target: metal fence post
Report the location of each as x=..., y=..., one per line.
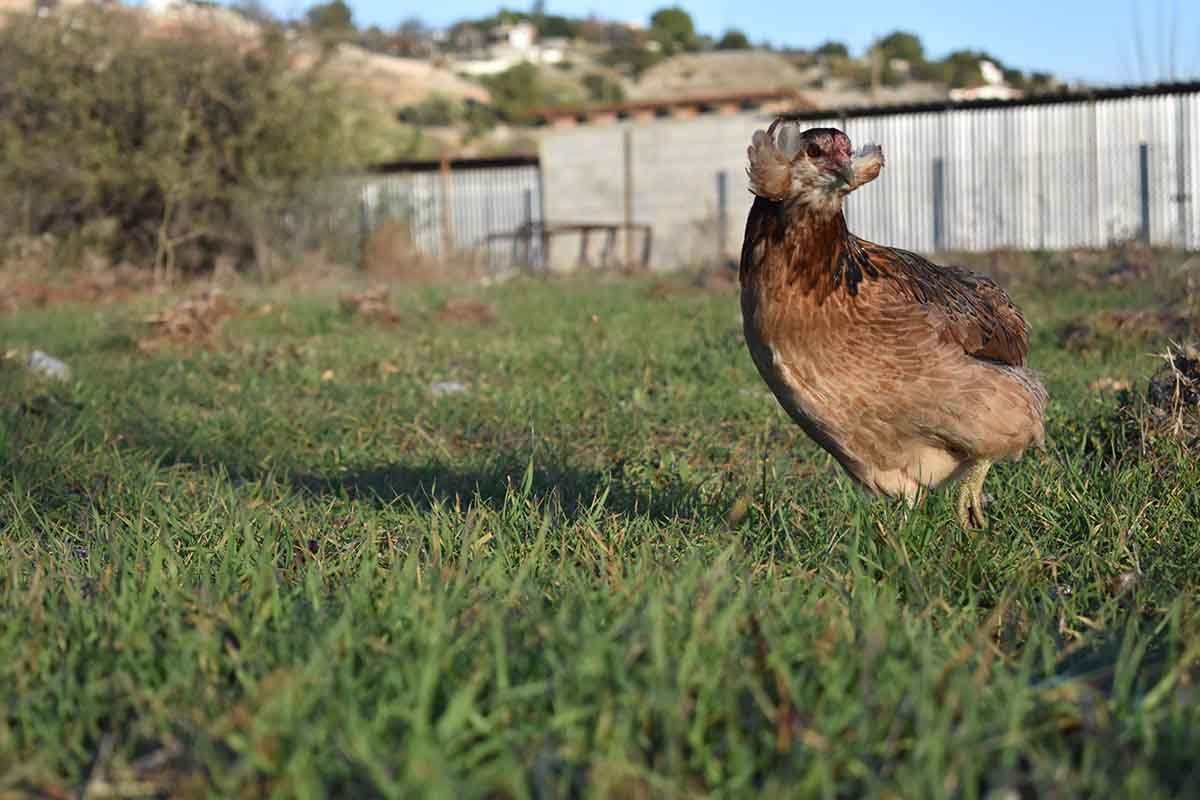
x=722, y=212
x=1097, y=225
x=528, y=228
x=628, y=148
x=1144, y=181
x=364, y=228
x=447, y=209
x=939, y=204
x=1181, y=153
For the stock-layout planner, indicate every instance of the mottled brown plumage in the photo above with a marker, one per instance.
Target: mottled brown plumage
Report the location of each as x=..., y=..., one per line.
x=908, y=373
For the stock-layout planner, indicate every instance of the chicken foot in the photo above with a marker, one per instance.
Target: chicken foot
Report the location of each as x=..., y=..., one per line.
x=970, y=497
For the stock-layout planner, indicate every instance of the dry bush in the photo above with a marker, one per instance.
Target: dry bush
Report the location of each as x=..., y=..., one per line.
x=373, y=303
x=1166, y=410
x=1173, y=394
x=1151, y=419
x=390, y=252
x=190, y=321
x=158, y=149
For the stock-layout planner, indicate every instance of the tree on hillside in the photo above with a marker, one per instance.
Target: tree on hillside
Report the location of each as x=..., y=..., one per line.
x=1040, y=82
x=900, y=44
x=628, y=49
x=603, y=89
x=467, y=36
x=832, y=49
x=554, y=25
x=334, y=17
x=961, y=69
x=672, y=27
x=631, y=58
x=523, y=87
x=413, y=39
x=517, y=88
x=733, y=40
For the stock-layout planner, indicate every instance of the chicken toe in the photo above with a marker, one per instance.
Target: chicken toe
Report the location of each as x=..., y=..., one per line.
x=971, y=499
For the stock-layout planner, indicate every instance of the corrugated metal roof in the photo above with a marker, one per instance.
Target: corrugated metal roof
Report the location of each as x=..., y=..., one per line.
x=666, y=105
x=1054, y=98
x=496, y=162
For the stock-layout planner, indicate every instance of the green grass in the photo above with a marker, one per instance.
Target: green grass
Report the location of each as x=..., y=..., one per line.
x=612, y=568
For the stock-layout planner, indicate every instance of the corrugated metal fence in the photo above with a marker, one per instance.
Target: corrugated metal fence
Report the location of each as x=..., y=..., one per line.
x=1080, y=174
x=1049, y=173
x=452, y=209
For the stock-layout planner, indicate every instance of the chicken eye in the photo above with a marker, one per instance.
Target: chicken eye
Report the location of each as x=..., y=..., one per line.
x=814, y=150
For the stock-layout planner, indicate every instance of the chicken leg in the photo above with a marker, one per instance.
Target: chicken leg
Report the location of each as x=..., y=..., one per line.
x=970, y=497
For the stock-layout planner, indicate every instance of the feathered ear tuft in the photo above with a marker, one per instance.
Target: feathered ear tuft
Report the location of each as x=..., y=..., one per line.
x=787, y=135
x=866, y=163
x=770, y=170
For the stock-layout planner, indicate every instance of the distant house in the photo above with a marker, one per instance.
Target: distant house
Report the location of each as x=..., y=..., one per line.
x=986, y=93
x=994, y=87
x=507, y=45
x=554, y=49
x=518, y=37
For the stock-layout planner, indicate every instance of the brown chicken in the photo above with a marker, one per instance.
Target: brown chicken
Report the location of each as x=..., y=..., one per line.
x=908, y=373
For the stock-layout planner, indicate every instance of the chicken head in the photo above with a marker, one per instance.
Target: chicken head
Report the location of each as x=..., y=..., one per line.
x=815, y=168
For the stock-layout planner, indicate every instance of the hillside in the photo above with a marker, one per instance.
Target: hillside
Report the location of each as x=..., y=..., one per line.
x=722, y=72
x=384, y=84
x=472, y=88
x=394, y=82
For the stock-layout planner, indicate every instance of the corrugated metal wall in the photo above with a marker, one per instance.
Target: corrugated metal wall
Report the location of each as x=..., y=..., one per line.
x=456, y=211
x=1025, y=176
x=1028, y=177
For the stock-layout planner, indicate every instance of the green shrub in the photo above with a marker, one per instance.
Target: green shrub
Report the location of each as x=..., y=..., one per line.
x=183, y=145
x=435, y=110
x=523, y=87
x=603, y=89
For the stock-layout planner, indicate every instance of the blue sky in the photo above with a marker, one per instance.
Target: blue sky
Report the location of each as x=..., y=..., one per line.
x=1077, y=39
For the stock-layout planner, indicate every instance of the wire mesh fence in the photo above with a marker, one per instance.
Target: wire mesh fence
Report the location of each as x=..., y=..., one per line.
x=456, y=210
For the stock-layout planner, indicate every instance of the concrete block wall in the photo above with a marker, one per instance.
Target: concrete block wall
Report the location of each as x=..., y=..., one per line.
x=1083, y=172
x=676, y=163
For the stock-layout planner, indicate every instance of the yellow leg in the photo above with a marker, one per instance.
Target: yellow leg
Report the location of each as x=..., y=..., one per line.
x=970, y=497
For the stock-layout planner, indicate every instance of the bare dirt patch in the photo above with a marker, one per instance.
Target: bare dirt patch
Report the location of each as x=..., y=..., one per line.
x=1094, y=332
x=373, y=304
x=467, y=310
x=101, y=287
x=193, y=320
x=1135, y=262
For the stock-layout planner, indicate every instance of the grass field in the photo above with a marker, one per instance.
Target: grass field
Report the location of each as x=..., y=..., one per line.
x=276, y=564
